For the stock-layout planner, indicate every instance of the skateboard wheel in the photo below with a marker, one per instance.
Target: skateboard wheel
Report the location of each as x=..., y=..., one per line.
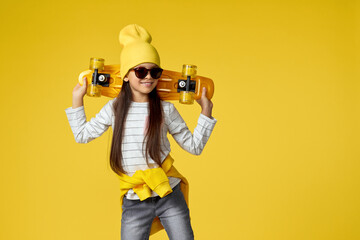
x=189, y=70
x=96, y=63
x=94, y=90
x=186, y=97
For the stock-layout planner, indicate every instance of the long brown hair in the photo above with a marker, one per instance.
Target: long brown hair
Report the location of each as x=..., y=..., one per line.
x=153, y=135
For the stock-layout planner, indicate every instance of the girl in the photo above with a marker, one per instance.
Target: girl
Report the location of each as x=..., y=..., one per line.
x=153, y=192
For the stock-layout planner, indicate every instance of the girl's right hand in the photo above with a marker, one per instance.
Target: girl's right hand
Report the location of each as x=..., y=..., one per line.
x=79, y=93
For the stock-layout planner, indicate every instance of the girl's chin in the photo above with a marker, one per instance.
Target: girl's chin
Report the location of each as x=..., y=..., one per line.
x=147, y=88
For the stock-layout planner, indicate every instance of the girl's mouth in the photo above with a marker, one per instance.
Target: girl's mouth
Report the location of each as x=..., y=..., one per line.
x=147, y=84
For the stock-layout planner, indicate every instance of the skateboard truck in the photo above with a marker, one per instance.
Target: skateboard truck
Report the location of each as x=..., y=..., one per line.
x=187, y=87
x=99, y=80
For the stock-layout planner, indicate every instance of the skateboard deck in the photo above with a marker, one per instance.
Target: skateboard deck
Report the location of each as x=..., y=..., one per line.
x=169, y=85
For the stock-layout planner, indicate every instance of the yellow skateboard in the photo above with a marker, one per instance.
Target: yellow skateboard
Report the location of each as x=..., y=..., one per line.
x=105, y=80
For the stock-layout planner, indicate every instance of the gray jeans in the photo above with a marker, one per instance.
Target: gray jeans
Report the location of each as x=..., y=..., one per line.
x=172, y=210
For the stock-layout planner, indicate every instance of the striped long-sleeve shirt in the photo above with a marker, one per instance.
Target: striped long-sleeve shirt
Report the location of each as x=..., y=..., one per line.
x=134, y=133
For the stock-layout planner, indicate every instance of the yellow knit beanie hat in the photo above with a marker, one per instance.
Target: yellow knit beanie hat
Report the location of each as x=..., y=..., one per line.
x=137, y=49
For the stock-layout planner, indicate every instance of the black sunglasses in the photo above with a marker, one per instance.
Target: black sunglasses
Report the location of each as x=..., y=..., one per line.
x=142, y=72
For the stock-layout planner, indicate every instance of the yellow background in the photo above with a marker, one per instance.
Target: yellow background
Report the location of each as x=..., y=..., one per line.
x=282, y=162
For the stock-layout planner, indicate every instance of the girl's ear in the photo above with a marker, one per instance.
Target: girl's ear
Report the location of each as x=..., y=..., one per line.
x=126, y=79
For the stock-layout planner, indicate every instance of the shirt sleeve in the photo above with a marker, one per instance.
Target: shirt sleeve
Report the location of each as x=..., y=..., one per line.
x=85, y=132
x=192, y=143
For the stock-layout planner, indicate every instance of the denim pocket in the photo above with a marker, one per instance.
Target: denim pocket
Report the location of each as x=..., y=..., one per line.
x=127, y=203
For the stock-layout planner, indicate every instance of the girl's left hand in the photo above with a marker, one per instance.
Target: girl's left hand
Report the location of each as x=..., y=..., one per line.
x=206, y=104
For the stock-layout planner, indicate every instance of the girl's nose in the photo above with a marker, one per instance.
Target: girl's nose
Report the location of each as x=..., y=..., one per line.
x=148, y=75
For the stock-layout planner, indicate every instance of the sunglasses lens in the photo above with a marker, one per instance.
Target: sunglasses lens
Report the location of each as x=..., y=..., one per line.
x=140, y=72
x=156, y=73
